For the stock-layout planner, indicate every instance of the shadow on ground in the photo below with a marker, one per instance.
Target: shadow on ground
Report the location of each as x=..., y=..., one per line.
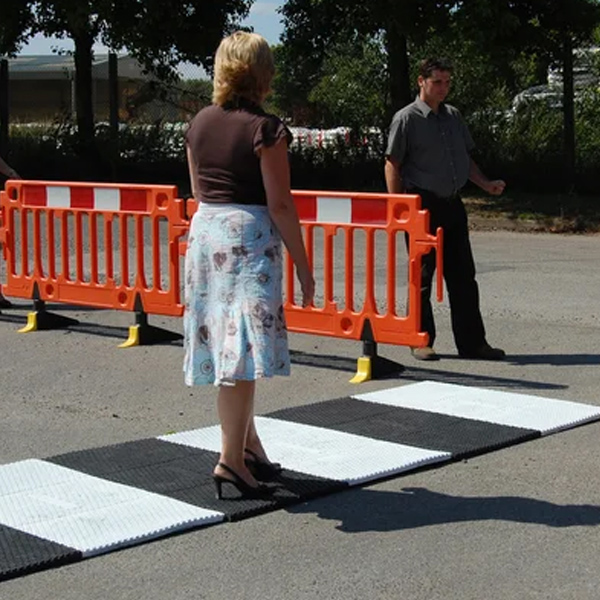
x=415, y=374
x=557, y=360
x=373, y=510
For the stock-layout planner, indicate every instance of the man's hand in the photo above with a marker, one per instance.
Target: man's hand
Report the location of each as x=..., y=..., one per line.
x=495, y=187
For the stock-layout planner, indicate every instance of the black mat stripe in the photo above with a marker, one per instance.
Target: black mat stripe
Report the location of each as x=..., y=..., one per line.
x=461, y=437
x=184, y=473
x=22, y=553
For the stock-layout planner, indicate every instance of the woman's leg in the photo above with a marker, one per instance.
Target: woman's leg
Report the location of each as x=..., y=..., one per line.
x=257, y=455
x=253, y=442
x=235, y=406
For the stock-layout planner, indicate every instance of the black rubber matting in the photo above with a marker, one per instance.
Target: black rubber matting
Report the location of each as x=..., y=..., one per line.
x=22, y=553
x=184, y=473
x=460, y=437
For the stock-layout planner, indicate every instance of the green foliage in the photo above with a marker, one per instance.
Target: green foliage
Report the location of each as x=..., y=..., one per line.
x=505, y=28
x=476, y=83
x=526, y=146
x=159, y=34
x=312, y=27
x=352, y=89
x=16, y=21
x=500, y=44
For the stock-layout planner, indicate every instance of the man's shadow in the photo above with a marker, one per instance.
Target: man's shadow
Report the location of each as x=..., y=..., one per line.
x=365, y=509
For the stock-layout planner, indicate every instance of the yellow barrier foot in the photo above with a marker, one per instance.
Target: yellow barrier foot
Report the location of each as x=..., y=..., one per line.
x=133, y=339
x=40, y=320
x=375, y=367
x=363, y=370
x=31, y=323
x=145, y=335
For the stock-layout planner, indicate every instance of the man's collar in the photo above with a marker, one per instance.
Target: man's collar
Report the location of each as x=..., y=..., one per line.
x=426, y=109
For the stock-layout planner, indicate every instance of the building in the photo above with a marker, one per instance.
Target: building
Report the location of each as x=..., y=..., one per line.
x=42, y=88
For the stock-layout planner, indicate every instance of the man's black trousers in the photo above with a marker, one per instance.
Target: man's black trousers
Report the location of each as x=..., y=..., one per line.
x=459, y=273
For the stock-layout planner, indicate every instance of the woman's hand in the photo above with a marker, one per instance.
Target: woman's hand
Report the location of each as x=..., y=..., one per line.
x=307, y=284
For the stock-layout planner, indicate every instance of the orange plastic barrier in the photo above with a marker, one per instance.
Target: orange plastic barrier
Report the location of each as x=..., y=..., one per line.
x=39, y=261
x=348, y=212
x=43, y=228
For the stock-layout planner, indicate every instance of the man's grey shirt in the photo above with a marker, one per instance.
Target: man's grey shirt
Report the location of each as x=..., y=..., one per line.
x=432, y=149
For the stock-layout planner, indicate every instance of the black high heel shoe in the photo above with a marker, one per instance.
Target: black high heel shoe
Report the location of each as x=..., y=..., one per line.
x=245, y=489
x=260, y=468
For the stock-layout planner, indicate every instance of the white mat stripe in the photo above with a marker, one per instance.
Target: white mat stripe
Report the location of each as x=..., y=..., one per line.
x=545, y=415
x=87, y=513
x=323, y=452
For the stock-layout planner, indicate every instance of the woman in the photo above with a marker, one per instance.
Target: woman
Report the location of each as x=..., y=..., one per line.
x=234, y=322
x=9, y=172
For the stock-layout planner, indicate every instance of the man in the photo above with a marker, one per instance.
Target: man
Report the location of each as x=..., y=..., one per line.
x=428, y=154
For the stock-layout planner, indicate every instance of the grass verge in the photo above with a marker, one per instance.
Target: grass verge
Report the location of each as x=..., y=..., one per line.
x=520, y=211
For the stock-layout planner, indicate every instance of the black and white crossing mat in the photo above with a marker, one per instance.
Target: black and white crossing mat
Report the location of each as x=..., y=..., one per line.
x=69, y=507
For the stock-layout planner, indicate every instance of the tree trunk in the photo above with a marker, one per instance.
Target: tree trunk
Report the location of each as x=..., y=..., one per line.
x=113, y=97
x=569, y=113
x=398, y=68
x=83, y=95
x=4, y=112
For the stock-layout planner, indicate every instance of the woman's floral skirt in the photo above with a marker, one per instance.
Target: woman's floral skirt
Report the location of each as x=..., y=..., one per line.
x=234, y=326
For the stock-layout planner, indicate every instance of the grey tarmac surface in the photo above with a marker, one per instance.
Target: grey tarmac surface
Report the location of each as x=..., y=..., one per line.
x=522, y=522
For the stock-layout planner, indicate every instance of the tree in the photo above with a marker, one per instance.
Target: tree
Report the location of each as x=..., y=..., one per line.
x=549, y=29
x=159, y=34
x=16, y=21
x=349, y=89
x=352, y=90
x=312, y=26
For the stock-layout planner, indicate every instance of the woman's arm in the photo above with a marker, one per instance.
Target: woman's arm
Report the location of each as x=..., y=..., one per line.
x=193, y=171
x=275, y=170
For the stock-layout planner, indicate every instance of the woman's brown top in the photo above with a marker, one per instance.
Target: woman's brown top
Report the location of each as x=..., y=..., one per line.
x=223, y=141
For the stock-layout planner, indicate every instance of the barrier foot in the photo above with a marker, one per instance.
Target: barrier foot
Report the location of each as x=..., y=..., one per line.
x=372, y=366
x=143, y=334
x=375, y=367
x=363, y=370
x=41, y=320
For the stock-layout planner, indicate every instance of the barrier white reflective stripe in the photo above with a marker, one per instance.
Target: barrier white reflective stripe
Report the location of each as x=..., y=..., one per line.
x=341, y=210
x=86, y=197
x=107, y=199
x=337, y=210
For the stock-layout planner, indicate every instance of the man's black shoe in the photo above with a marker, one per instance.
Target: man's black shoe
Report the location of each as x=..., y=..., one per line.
x=424, y=353
x=484, y=352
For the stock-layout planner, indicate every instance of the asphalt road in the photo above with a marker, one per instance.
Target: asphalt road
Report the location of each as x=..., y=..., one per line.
x=520, y=523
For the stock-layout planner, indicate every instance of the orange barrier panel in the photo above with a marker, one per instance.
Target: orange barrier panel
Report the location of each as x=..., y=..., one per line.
x=60, y=244
x=348, y=212
x=35, y=271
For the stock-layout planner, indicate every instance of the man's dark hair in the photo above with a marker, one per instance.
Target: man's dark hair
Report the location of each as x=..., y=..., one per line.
x=428, y=65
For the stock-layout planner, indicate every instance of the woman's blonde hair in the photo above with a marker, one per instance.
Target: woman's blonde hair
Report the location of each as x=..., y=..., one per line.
x=244, y=68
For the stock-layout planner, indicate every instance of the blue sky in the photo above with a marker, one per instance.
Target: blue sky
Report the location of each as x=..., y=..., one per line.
x=262, y=17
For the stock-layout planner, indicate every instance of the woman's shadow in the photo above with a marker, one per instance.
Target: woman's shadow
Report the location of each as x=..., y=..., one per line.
x=370, y=510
